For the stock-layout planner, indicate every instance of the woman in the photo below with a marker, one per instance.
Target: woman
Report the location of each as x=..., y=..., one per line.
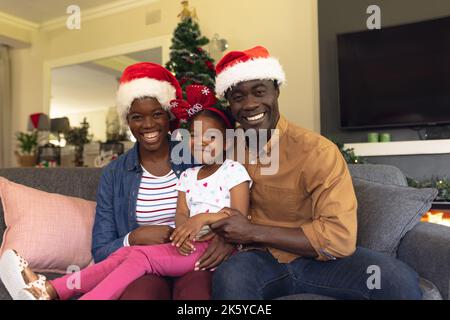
x=136, y=198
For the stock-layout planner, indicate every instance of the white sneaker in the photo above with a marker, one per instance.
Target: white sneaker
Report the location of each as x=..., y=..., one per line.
x=11, y=267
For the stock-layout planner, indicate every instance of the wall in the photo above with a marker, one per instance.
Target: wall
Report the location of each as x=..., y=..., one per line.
x=343, y=16
x=97, y=122
x=27, y=85
x=288, y=28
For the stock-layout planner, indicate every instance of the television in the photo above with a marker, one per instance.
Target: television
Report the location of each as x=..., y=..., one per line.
x=395, y=76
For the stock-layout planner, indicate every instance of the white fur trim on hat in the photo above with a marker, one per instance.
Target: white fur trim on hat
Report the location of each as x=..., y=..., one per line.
x=162, y=91
x=259, y=68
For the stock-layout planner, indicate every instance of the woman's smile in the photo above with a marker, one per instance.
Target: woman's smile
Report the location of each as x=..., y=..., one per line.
x=151, y=137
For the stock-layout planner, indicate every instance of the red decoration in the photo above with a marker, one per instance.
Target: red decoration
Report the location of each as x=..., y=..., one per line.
x=198, y=98
x=210, y=65
x=35, y=119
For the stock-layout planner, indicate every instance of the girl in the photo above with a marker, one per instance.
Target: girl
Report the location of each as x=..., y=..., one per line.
x=203, y=192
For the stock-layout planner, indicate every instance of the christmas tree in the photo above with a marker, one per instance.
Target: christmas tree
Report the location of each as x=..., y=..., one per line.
x=188, y=61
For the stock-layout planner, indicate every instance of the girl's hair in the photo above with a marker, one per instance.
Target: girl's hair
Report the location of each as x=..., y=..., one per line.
x=222, y=115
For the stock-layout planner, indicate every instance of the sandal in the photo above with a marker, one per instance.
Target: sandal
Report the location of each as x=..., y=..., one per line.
x=39, y=286
x=11, y=267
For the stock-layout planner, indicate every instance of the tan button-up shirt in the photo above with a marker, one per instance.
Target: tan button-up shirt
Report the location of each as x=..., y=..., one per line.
x=312, y=190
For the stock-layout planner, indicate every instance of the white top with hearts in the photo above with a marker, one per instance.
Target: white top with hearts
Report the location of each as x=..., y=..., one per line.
x=212, y=193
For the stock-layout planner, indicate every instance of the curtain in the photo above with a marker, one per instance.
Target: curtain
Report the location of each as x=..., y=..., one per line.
x=6, y=136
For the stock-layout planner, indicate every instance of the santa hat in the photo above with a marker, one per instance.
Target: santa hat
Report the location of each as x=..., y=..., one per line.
x=146, y=79
x=252, y=64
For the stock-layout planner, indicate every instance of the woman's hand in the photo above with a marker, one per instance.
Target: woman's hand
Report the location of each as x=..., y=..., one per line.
x=149, y=235
x=189, y=229
x=217, y=252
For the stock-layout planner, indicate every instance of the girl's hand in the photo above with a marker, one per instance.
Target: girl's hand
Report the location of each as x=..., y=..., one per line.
x=188, y=230
x=186, y=248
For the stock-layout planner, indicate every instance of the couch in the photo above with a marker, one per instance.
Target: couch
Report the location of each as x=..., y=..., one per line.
x=425, y=248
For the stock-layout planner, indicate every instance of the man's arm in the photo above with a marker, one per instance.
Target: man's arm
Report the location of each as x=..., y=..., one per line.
x=238, y=229
x=330, y=234
x=332, y=229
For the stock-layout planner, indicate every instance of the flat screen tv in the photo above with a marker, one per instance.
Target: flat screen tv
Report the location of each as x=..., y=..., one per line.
x=396, y=76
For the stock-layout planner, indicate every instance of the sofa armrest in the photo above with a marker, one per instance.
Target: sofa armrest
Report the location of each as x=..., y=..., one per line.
x=426, y=248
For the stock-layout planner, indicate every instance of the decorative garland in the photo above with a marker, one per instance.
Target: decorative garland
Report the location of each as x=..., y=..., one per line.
x=349, y=154
x=441, y=184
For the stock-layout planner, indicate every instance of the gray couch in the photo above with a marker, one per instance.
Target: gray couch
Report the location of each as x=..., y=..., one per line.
x=425, y=248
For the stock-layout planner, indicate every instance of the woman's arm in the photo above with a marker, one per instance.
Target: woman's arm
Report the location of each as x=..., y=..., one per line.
x=105, y=239
x=150, y=235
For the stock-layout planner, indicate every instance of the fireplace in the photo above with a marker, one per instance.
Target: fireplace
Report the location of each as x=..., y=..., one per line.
x=439, y=213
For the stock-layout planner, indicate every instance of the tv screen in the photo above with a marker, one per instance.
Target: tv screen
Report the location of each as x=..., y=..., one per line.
x=395, y=76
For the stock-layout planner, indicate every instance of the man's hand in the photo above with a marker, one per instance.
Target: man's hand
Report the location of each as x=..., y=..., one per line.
x=149, y=235
x=217, y=252
x=186, y=248
x=235, y=229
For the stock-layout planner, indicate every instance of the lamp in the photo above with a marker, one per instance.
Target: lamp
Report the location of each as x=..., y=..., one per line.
x=38, y=121
x=41, y=123
x=58, y=126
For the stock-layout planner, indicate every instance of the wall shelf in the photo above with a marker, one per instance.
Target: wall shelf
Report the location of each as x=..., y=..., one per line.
x=400, y=148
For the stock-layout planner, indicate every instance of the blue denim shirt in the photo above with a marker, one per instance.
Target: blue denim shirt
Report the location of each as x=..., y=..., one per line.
x=117, y=194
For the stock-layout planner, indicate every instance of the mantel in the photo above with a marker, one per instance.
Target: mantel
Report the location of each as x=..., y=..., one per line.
x=400, y=148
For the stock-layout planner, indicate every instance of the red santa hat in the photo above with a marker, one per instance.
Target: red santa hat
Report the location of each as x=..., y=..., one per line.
x=146, y=79
x=252, y=64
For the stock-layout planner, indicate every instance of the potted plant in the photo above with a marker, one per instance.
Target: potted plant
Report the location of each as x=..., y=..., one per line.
x=27, y=144
x=78, y=137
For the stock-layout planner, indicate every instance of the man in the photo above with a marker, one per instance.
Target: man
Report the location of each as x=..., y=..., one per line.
x=300, y=235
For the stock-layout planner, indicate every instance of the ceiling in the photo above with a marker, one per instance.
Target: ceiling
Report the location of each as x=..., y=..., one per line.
x=39, y=11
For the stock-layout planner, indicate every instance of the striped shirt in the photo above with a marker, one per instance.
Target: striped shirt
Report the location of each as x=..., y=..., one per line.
x=157, y=199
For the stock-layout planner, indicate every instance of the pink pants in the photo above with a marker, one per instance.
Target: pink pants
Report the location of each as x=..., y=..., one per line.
x=108, y=279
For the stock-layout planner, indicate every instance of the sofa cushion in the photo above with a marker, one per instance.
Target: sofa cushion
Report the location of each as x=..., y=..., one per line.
x=83, y=182
x=378, y=173
x=75, y=182
x=387, y=212
x=51, y=231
